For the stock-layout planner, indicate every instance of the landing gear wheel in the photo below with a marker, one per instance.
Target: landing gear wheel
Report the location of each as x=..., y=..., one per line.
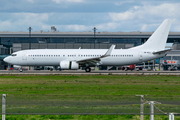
x=88, y=69
x=20, y=69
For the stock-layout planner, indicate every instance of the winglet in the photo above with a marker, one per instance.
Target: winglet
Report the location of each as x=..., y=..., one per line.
x=108, y=53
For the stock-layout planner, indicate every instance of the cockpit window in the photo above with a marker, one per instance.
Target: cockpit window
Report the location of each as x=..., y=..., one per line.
x=14, y=55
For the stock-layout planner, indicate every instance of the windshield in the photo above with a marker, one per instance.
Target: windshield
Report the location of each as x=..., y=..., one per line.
x=14, y=55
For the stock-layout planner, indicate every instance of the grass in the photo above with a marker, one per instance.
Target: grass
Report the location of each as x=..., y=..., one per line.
x=83, y=117
x=88, y=94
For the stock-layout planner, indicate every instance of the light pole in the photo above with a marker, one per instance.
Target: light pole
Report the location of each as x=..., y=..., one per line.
x=29, y=37
x=94, y=36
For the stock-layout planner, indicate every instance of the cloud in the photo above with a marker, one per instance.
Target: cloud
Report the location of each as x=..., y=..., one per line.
x=31, y=1
x=166, y=10
x=31, y=18
x=144, y=27
x=128, y=15
x=70, y=16
x=124, y=2
x=67, y=28
x=21, y=21
x=148, y=16
x=5, y=24
x=176, y=25
x=77, y=27
x=71, y=1
x=108, y=26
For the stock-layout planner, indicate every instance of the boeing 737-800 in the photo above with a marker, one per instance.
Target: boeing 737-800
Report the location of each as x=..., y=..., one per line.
x=68, y=59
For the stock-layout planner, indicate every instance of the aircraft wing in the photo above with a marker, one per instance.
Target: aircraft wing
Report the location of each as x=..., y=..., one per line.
x=96, y=60
x=162, y=51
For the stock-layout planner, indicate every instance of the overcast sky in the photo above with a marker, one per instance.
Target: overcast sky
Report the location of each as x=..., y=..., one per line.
x=83, y=15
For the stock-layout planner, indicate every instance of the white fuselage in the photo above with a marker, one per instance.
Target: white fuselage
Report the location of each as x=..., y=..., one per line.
x=153, y=48
x=53, y=57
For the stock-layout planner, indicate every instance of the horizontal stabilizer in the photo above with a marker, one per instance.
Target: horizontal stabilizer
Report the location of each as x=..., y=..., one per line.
x=162, y=51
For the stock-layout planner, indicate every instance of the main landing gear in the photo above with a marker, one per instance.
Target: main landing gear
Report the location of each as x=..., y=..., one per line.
x=88, y=69
x=20, y=69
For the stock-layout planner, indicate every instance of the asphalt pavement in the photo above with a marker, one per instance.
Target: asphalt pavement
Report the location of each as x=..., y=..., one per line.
x=93, y=72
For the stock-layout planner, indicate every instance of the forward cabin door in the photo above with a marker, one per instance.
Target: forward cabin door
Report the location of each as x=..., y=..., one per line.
x=24, y=56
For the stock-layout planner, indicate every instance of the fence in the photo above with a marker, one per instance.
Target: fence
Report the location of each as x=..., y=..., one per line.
x=95, y=104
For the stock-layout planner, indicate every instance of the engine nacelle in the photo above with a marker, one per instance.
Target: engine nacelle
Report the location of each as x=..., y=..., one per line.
x=140, y=68
x=123, y=68
x=69, y=65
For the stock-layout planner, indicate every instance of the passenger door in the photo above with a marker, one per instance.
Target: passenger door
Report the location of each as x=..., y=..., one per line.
x=24, y=56
x=140, y=56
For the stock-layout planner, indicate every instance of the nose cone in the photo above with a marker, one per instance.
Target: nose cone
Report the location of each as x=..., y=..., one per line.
x=6, y=59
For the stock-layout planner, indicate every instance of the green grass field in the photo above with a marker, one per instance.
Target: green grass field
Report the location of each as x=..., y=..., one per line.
x=88, y=94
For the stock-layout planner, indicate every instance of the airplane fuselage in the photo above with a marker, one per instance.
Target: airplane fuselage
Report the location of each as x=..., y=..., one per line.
x=153, y=48
x=53, y=57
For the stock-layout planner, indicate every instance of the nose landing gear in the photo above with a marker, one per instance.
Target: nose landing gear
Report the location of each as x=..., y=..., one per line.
x=20, y=69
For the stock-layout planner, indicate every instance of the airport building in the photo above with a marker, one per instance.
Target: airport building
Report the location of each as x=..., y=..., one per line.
x=15, y=41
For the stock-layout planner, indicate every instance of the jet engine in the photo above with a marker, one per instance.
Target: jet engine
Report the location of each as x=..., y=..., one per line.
x=69, y=65
x=140, y=68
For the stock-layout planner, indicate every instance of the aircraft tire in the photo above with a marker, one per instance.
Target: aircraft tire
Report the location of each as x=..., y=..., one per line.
x=20, y=69
x=88, y=69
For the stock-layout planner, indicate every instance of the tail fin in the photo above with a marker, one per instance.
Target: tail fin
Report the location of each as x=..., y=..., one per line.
x=157, y=40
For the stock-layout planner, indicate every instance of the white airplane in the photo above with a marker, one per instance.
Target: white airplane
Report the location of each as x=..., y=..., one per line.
x=68, y=59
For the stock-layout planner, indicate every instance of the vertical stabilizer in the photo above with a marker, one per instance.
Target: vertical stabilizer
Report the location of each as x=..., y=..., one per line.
x=157, y=40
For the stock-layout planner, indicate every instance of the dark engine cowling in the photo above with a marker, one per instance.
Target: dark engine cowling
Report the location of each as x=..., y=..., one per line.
x=69, y=65
x=123, y=68
x=140, y=68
